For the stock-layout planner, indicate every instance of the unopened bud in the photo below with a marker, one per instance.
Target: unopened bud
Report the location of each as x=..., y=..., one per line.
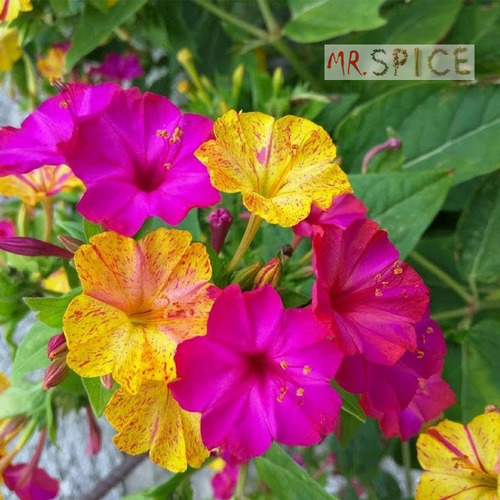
x=107, y=381
x=184, y=56
x=94, y=442
x=220, y=221
x=245, y=277
x=278, y=81
x=55, y=373
x=57, y=346
x=182, y=86
x=270, y=273
x=238, y=74
x=70, y=243
x=32, y=247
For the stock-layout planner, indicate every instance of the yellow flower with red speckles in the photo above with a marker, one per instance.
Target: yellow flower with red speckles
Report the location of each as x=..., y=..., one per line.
x=139, y=300
x=281, y=167
x=10, y=9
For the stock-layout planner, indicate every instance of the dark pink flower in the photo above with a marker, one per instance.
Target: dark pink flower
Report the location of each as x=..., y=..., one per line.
x=370, y=299
x=136, y=160
x=224, y=482
x=45, y=134
x=7, y=229
x=344, y=209
x=271, y=379
x=120, y=67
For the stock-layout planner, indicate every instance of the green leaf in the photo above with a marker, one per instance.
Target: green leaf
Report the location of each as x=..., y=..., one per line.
x=350, y=403
x=90, y=229
x=165, y=490
x=478, y=233
x=73, y=229
x=450, y=128
x=403, y=203
x=51, y=309
x=32, y=352
x=23, y=398
x=317, y=20
x=95, y=26
x=480, y=368
x=286, y=479
x=291, y=298
x=415, y=22
x=99, y=396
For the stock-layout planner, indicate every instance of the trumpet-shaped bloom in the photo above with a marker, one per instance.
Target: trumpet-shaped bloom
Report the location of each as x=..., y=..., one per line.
x=344, y=209
x=30, y=483
x=281, y=167
x=152, y=420
x=271, y=378
x=461, y=461
x=140, y=298
x=39, y=184
x=9, y=48
x=370, y=299
x=10, y=9
x=136, y=160
x=44, y=136
x=407, y=394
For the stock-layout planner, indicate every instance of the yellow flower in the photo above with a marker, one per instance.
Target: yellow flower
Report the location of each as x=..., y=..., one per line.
x=52, y=65
x=152, y=420
x=39, y=184
x=9, y=9
x=140, y=299
x=461, y=461
x=57, y=282
x=9, y=48
x=280, y=166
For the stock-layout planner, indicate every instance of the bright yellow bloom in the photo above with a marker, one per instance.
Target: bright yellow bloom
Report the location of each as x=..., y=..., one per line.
x=152, y=420
x=9, y=48
x=39, y=184
x=140, y=299
x=461, y=461
x=57, y=282
x=52, y=65
x=10, y=9
x=280, y=166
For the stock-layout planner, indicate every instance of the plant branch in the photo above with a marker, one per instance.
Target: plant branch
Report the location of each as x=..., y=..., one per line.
x=239, y=493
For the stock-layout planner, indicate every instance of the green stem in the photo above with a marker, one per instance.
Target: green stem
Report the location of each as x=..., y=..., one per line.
x=250, y=232
x=305, y=258
x=239, y=493
x=226, y=16
x=405, y=451
x=268, y=16
x=48, y=208
x=23, y=220
x=444, y=277
x=454, y=313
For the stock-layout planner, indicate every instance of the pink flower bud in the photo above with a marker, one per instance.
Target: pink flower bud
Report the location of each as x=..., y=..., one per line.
x=245, y=277
x=94, y=442
x=55, y=373
x=57, y=346
x=220, y=221
x=70, y=243
x=270, y=273
x=33, y=248
x=107, y=381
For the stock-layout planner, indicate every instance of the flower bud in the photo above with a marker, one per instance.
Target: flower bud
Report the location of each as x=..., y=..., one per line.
x=32, y=247
x=184, y=56
x=278, y=81
x=107, y=381
x=94, y=442
x=270, y=273
x=245, y=277
x=220, y=221
x=182, y=86
x=70, y=243
x=237, y=81
x=55, y=373
x=57, y=346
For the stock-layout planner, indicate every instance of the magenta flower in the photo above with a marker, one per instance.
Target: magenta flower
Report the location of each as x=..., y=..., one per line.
x=398, y=395
x=343, y=210
x=224, y=482
x=136, y=160
x=7, y=229
x=44, y=136
x=271, y=379
x=120, y=67
x=370, y=299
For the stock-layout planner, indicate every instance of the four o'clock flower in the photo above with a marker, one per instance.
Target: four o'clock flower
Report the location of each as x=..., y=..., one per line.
x=281, y=167
x=370, y=299
x=272, y=376
x=139, y=300
x=136, y=160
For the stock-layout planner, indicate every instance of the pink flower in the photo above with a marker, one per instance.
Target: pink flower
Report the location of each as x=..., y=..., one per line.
x=344, y=209
x=224, y=482
x=136, y=160
x=369, y=298
x=271, y=379
x=7, y=229
x=120, y=67
x=398, y=395
x=44, y=136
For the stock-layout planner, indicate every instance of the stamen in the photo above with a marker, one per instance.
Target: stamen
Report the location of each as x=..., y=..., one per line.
x=306, y=370
x=284, y=365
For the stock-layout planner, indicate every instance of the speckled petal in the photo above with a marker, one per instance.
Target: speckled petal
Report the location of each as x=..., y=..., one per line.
x=102, y=340
x=152, y=420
